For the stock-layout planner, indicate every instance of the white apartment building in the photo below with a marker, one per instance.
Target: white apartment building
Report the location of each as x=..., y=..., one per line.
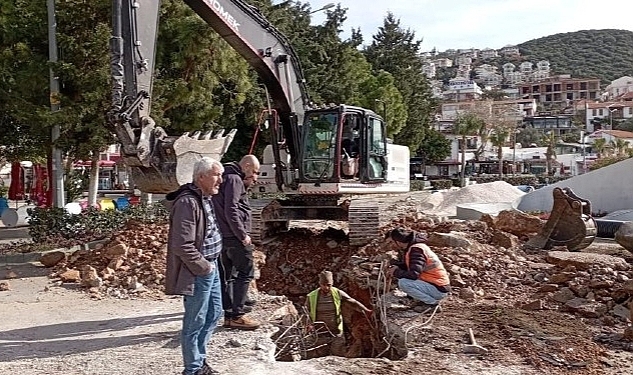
x=510, y=51
x=509, y=109
x=613, y=111
x=429, y=70
x=462, y=89
x=463, y=60
x=611, y=136
x=443, y=63
x=488, y=53
x=619, y=87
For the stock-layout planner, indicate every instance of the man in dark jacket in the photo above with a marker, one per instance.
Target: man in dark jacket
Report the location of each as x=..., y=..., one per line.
x=234, y=218
x=421, y=274
x=194, y=245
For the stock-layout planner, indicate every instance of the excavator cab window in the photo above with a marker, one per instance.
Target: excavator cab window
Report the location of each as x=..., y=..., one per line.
x=320, y=131
x=374, y=151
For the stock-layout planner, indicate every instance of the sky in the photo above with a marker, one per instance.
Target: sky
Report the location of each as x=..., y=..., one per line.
x=445, y=24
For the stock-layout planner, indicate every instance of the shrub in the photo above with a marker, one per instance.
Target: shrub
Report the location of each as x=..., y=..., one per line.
x=442, y=184
x=55, y=225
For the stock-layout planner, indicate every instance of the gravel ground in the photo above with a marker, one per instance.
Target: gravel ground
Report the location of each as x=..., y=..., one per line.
x=49, y=329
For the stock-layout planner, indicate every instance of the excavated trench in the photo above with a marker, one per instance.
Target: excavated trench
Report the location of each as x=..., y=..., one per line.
x=291, y=268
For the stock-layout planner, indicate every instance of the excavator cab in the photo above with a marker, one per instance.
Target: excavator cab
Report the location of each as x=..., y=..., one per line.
x=343, y=143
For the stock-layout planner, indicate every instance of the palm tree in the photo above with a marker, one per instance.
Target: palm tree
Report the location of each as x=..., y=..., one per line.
x=465, y=125
x=550, y=153
x=620, y=146
x=498, y=139
x=599, y=145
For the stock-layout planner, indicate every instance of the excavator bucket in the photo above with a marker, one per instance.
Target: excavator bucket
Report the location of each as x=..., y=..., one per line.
x=172, y=160
x=570, y=223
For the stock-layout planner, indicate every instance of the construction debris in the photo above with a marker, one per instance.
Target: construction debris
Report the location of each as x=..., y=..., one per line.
x=491, y=274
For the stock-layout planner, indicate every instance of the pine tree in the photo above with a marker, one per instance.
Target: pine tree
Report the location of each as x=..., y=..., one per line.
x=396, y=51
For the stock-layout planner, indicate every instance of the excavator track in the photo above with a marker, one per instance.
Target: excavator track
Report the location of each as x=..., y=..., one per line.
x=258, y=227
x=364, y=223
x=264, y=220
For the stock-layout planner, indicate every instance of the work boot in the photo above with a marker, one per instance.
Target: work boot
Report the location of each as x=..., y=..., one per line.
x=250, y=302
x=424, y=308
x=243, y=322
x=207, y=370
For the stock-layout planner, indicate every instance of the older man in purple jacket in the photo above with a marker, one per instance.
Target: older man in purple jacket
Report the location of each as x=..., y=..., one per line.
x=234, y=219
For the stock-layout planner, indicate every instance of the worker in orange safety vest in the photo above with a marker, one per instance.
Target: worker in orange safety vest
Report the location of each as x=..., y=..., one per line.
x=420, y=272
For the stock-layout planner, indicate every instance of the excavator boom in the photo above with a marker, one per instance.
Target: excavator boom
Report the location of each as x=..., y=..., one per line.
x=160, y=163
x=315, y=154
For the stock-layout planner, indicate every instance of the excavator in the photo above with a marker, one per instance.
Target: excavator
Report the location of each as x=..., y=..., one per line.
x=318, y=156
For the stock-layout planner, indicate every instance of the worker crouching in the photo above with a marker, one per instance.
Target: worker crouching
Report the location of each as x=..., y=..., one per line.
x=420, y=273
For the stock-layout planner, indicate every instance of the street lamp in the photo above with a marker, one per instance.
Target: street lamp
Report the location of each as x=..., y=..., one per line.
x=611, y=118
x=514, y=151
x=583, y=139
x=384, y=109
x=325, y=7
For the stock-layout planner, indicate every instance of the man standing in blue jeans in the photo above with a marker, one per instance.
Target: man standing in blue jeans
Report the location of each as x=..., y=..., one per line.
x=234, y=218
x=420, y=273
x=194, y=245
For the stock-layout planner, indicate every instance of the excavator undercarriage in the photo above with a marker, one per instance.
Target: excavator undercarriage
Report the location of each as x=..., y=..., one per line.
x=271, y=216
x=570, y=223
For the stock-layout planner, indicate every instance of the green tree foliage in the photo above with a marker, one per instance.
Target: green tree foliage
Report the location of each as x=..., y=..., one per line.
x=83, y=32
x=528, y=136
x=550, y=153
x=396, y=51
x=434, y=147
x=467, y=124
x=498, y=139
x=201, y=82
x=24, y=98
x=599, y=146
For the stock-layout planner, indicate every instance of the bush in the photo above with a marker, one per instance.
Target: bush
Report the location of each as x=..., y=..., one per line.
x=55, y=225
x=417, y=185
x=442, y=184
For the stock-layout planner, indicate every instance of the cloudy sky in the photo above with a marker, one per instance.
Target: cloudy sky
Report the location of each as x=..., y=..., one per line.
x=480, y=24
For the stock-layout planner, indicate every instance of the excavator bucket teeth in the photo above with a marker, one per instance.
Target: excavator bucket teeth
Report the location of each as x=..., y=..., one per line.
x=172, y=160
x=570, y=223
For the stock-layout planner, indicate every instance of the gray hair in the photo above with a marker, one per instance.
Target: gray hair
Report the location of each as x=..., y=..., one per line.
x=204, y=166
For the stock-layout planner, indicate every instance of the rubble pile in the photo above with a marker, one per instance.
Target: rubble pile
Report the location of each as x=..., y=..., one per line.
x=131, y=263
x=595, y=286
x=484, y=259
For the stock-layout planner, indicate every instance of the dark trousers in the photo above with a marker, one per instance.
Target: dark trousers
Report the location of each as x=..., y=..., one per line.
x=237, y=272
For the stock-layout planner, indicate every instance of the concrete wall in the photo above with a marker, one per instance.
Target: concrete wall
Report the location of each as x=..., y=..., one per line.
x=608, y=189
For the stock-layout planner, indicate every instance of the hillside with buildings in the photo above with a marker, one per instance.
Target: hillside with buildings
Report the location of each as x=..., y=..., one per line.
x=603, y=54
x=551, y=106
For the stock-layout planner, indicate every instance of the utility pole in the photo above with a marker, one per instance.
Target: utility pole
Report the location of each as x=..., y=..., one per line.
x=58, y=171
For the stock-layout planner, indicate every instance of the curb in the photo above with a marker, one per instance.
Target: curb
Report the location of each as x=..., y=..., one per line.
x=23, y=258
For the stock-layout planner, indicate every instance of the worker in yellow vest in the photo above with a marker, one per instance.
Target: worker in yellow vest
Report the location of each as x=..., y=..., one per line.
x=324, y=306
x=420, y=272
